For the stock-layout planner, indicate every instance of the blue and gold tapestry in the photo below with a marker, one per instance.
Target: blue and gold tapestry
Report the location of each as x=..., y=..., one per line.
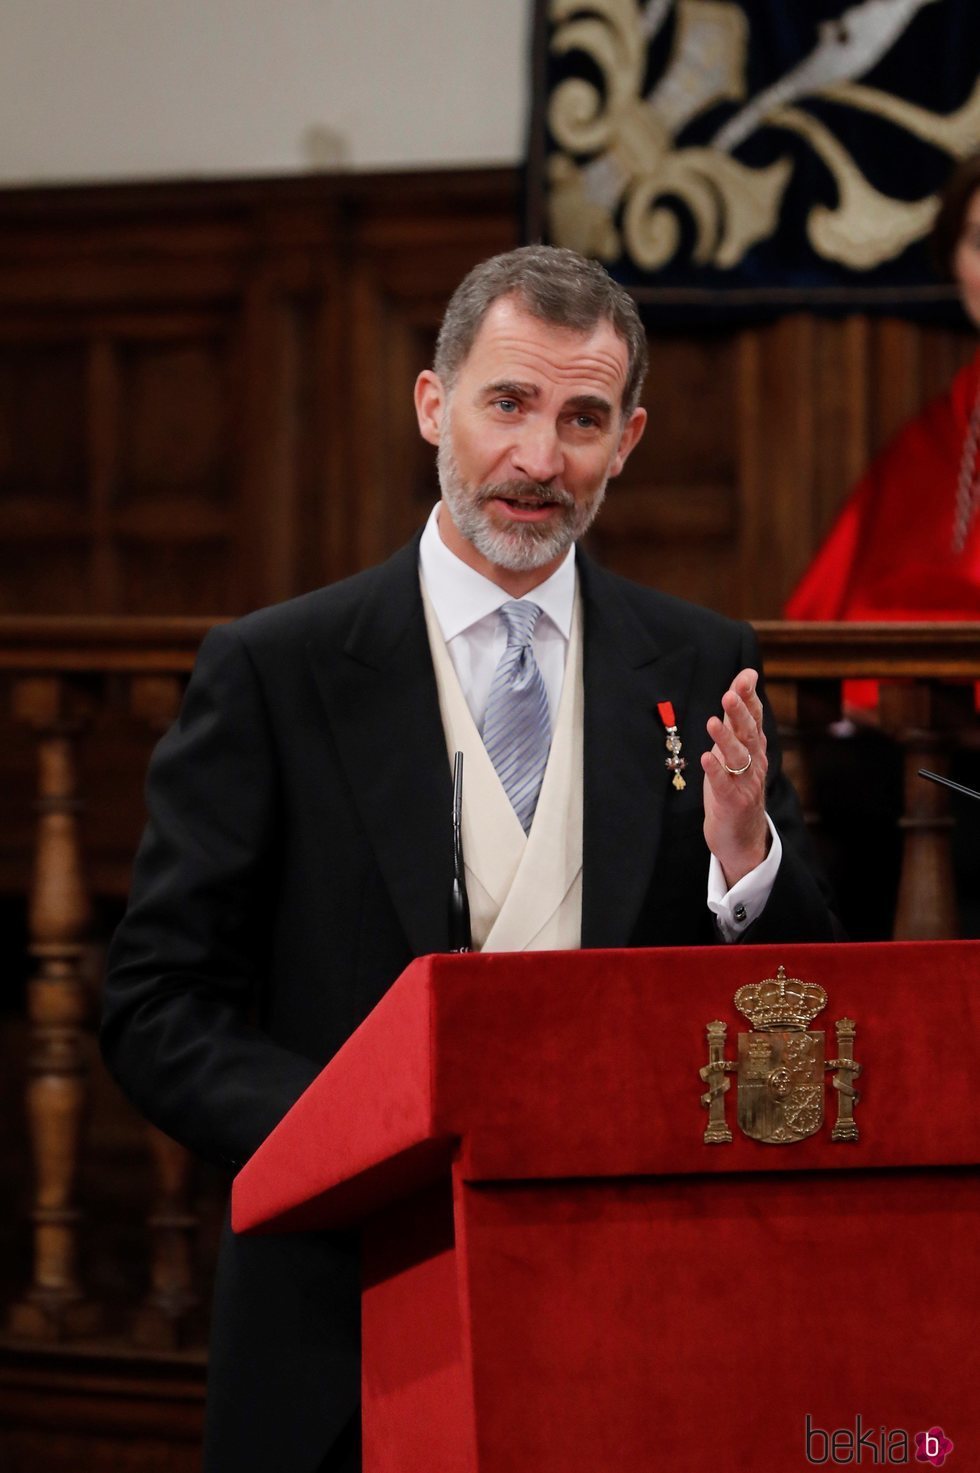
x=725, y=155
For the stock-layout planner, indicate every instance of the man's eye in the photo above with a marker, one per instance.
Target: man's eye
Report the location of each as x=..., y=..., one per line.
x=586, y=421
x=507, y=405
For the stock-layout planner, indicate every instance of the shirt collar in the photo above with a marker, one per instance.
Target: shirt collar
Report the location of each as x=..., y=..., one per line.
x=460, y=596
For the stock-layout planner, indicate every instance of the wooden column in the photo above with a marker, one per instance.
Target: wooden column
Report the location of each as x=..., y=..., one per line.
x=924, y=717
x=170, y=1316
x=804, y=711
x=54, y=1307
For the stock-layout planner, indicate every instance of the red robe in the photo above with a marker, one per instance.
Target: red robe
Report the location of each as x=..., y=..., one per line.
x=889, y=554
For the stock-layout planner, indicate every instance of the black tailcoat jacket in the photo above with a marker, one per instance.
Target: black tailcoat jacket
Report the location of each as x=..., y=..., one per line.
x=297, y=857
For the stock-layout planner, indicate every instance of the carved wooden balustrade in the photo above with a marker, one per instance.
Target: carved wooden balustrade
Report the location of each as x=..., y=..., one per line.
x=62, y=676
x=928, y=678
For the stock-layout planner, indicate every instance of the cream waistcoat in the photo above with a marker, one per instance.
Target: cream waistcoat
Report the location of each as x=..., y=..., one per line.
x=525, y=891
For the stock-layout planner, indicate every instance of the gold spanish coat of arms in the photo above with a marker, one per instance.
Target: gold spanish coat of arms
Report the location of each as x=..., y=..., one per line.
x=780, y=1067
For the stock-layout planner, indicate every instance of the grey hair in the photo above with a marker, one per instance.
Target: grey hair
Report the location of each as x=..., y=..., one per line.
x=557, y=286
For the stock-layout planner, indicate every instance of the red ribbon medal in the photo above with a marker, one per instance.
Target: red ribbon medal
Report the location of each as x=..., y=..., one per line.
x=674, y=763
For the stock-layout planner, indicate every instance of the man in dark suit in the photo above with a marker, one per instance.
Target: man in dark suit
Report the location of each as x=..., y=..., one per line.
x=297, y=855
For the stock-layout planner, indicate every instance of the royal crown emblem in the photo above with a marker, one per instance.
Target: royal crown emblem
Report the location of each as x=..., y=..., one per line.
x=781, y=1066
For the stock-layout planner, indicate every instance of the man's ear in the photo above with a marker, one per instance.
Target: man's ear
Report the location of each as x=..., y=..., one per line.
x=629, y=436
x=430, y=405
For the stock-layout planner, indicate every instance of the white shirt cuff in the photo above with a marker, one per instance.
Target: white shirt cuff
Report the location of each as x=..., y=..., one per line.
x=737, y=908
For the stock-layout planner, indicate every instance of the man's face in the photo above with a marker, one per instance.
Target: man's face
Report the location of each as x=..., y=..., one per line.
x=966, y=262
x=528, y=438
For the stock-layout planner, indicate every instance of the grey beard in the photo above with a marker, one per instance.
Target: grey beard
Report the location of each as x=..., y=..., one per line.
x=524, y=546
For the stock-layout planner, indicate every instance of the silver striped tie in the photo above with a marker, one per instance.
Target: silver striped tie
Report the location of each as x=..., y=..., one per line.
x=517, y=727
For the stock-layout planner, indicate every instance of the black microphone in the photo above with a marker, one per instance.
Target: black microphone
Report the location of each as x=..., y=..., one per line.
x=947, y=782
x=460, y=937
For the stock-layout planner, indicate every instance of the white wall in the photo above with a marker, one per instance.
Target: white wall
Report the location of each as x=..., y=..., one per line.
x=119, y=89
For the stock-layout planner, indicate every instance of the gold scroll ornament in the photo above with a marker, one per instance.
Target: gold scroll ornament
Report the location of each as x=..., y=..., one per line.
x=619, y=170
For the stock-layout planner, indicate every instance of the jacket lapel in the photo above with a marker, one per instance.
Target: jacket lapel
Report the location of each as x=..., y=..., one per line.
x=626, y=783
x=379, y=693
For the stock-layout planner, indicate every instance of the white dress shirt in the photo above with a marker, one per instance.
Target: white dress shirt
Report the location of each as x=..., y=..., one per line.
x=466, y=604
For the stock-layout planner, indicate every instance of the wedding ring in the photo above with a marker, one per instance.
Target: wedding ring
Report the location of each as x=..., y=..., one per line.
x=737, y=771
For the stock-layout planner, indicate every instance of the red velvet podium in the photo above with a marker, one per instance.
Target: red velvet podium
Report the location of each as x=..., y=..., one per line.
x=561, y=1276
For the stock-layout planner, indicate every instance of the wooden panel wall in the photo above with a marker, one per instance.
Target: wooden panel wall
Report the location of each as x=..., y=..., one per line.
x=198, y=401
x=205, y=399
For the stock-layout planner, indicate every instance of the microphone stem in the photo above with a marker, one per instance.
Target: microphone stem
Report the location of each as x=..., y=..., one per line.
x=460, y=936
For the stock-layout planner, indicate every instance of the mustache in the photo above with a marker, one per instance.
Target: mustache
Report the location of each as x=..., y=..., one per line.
x=529, y=493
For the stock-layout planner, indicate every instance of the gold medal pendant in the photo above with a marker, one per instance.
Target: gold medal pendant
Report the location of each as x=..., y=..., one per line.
x=674, y=762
